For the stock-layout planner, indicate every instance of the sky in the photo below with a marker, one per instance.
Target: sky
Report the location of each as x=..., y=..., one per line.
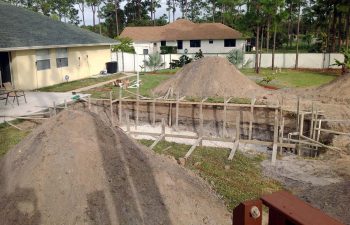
x=159, y=12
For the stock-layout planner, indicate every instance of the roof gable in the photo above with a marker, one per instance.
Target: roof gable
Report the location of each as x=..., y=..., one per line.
x=22, y=28
x=181, y=30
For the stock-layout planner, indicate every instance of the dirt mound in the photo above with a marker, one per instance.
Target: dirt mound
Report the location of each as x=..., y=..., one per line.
x=210, y=77
x=75, y=169
x=337, y=90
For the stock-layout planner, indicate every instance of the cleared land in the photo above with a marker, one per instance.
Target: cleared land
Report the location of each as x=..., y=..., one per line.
x=241, y=180
x=289, y=78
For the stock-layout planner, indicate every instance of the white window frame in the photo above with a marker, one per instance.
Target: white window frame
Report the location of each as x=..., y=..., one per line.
x=43, y=59
x=62, y=57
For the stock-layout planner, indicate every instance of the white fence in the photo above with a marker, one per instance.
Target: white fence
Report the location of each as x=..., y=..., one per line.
x=133, y=62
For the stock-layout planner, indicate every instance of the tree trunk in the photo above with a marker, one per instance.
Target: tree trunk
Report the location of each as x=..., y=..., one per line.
x=93, y=16
x=268, y=35
x=333, y=31
x=99, y=20
x=174, y=9
x=339, y=31
x=261, y=46
x=82, y=9
x=298, y=29
x=274, y=46
x=289, y=26
x=116, y=6
x=257, y=49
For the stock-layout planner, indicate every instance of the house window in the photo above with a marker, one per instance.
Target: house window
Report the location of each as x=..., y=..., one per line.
x=211, y=41
x=179, y=44
x=61, y=57
x=145, y=51
x=163, y=43
x=43, y=59
x=195, y=43
x=230, y=42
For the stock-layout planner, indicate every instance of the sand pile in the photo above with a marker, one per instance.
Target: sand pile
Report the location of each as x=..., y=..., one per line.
x=75, y=169
x=210, y=77
x=337, y=90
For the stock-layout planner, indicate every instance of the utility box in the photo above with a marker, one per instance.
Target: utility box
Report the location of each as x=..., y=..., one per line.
x=112, y=67
x=248, y=213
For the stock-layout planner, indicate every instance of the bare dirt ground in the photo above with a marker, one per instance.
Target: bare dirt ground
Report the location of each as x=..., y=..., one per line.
x=210, y=77
x=76, y=169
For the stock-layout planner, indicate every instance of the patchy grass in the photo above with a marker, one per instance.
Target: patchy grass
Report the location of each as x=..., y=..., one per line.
x=164, y=72
x=10, y=136
x=148, y=83
x=72, y=85
x=242, y=181
x=293, y=78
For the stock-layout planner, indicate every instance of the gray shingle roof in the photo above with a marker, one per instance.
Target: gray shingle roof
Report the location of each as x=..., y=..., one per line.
x=21, y=28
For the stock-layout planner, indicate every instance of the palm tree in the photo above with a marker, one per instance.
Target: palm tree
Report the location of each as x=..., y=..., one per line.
x=154, y=61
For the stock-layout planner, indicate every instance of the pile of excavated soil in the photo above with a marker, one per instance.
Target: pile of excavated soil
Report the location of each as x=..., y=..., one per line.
x=337, y=90
x=210, y=77
x=76, y=169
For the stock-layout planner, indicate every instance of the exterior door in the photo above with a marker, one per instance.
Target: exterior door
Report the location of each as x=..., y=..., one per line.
x=5, y=68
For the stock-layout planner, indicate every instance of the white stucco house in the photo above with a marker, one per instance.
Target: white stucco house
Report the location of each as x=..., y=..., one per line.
x=186, y=36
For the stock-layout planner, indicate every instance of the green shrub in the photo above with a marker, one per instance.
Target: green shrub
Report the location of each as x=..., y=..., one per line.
x=235, y=57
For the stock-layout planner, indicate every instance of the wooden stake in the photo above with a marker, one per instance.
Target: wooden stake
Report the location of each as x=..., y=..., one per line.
x=275, y=138
x=170, y=114
x=281, y=136
x=111, y=107
x=137, y=100
x=224, y=132
x=127, y=121
x=193, y=148
x=315, y=124
x=177, y=112
x=312, y=120
x=154, y=112
x=163, y=126
x=120, y=105
x=54, y=108
x=237, y=139
x=301, y=130
x=251, y=119
x=298, y=111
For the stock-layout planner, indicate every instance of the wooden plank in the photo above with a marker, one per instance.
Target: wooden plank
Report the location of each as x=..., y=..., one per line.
x=201, y=129
x=193, y=148
x=251, y=119
x=281, y=135
x=13, y=125
x=111, y=107
x=312, y=119
x=233, y=149
x=323, y=145
x=137, y=102
x=332, y=131
x=161, y=137
x=224, y=132
x=275, y=139
x=127, y=121
x=120, y=105
x=177, y=111
x=153, y=112
x=315, y=125
x=298, y=112
x=301, y=130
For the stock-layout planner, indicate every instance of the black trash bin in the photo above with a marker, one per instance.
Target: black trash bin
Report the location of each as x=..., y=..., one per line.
x=112, y=67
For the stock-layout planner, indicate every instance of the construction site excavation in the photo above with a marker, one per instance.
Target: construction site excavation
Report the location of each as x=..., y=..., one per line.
x=96, y=166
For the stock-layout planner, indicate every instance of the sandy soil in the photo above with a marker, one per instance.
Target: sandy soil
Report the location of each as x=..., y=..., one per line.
x=75, y=169
x=210, y=77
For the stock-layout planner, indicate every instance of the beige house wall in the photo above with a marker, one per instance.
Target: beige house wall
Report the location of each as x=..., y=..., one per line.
x=82, y=62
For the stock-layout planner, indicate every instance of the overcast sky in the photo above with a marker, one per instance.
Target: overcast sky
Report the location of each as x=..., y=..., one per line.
x=159, y=12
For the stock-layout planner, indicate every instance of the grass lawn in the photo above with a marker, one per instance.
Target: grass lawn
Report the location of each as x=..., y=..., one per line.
x=242, y=181
x=164, y=71
x=293, y=78
x=148, y=83
x=9, y=137
x=72, y=85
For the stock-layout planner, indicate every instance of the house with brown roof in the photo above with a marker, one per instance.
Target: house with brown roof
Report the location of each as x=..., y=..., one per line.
x=186, y=37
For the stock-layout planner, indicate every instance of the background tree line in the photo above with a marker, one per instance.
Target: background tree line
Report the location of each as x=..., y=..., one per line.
x=271, y=25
